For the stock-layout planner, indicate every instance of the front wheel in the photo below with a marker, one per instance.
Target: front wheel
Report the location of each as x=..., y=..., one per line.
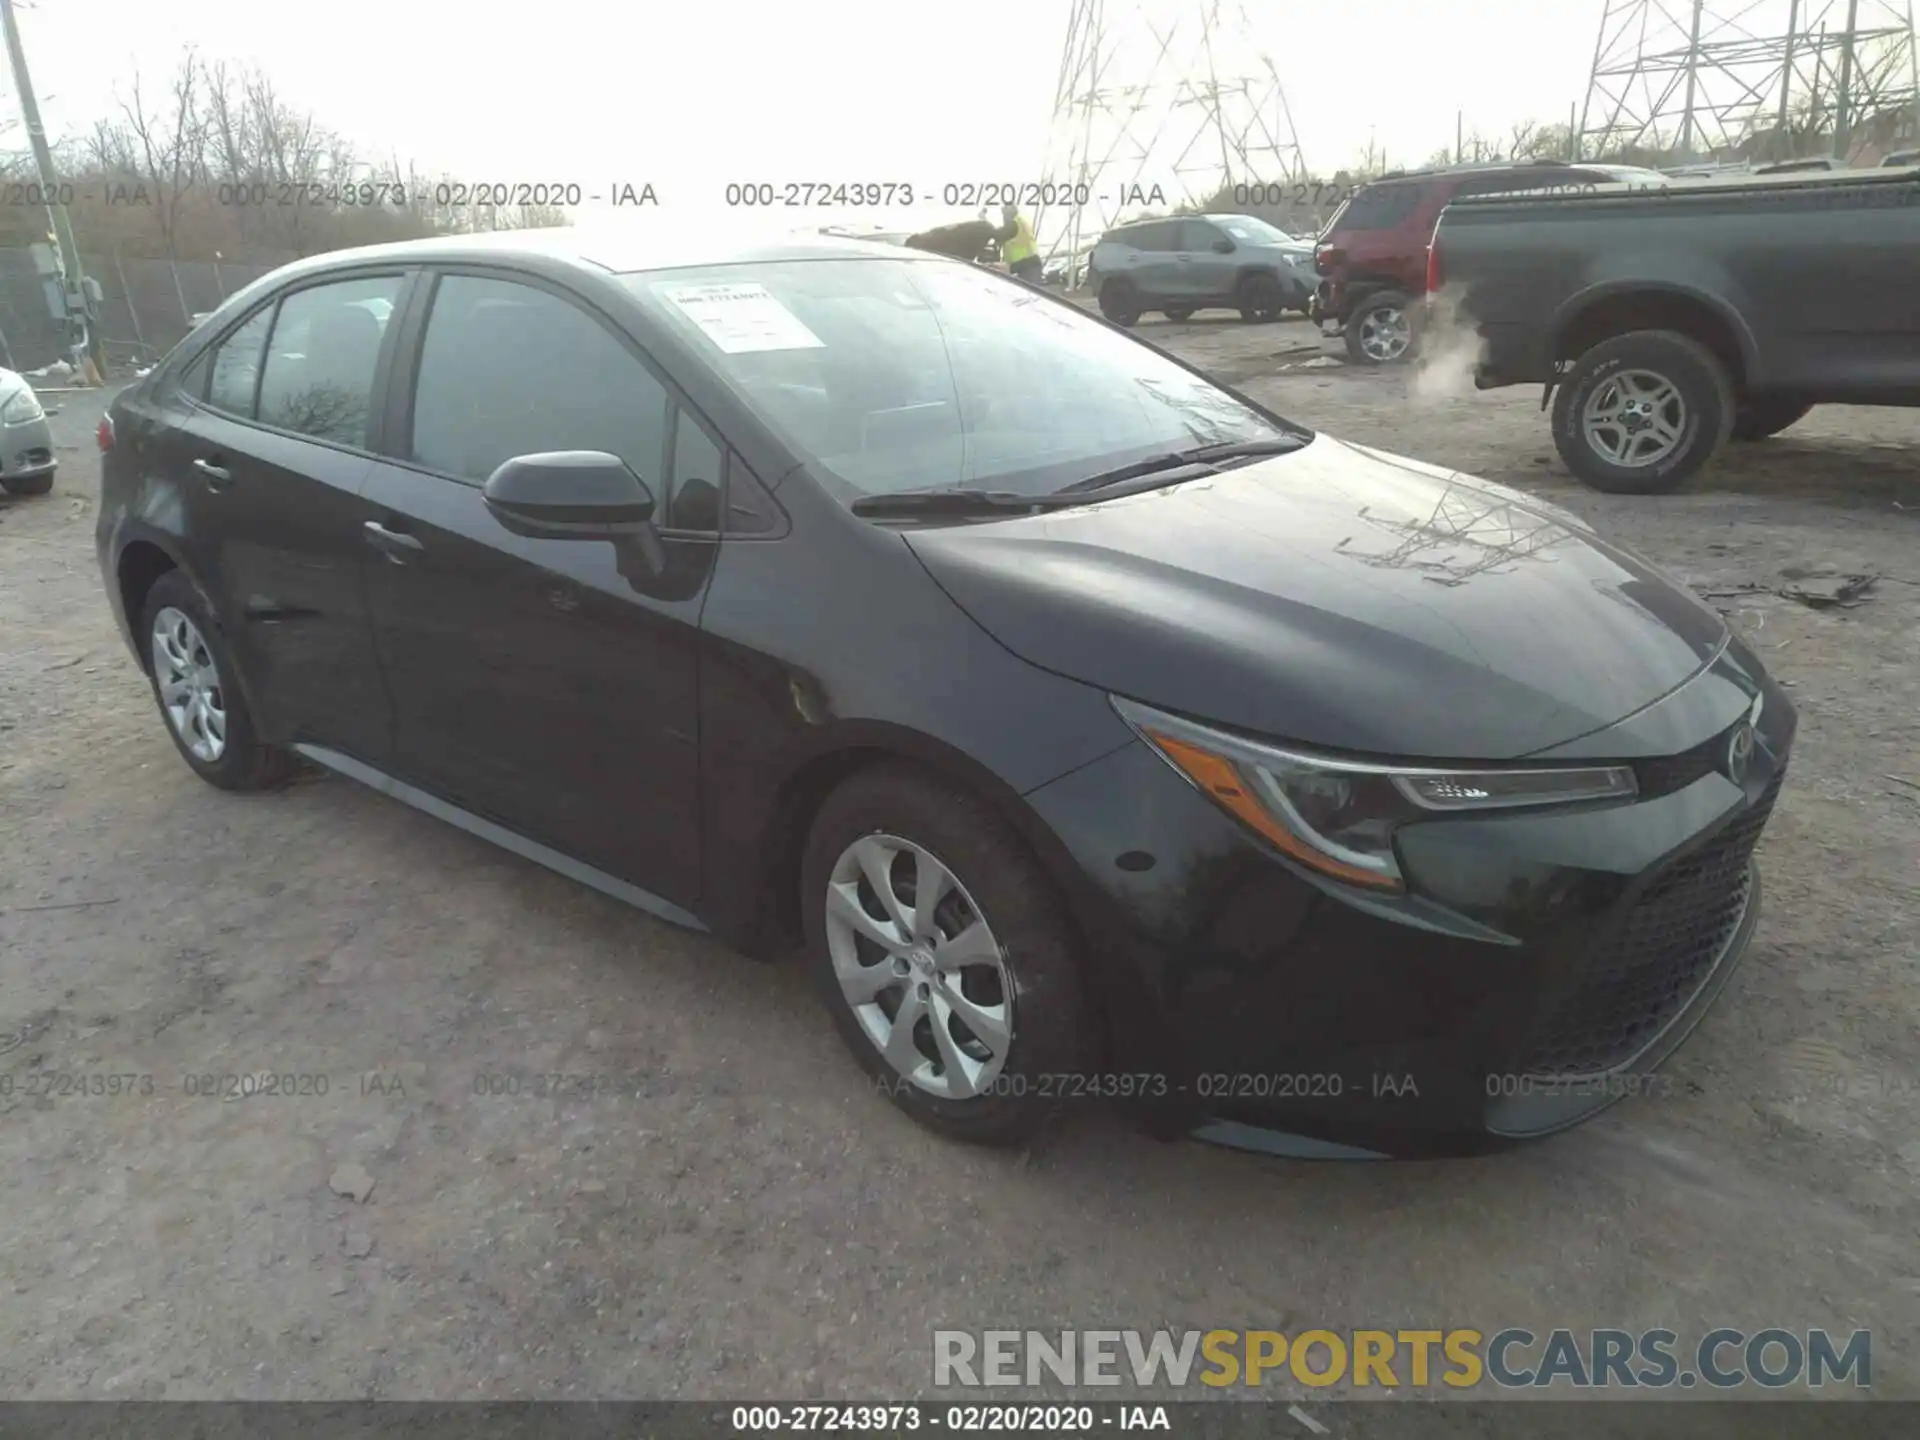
x=1260, y=298
x=943, y=954
x=1764, y=415
x=28, y=484
x=1380, y=330
x=1641, y=413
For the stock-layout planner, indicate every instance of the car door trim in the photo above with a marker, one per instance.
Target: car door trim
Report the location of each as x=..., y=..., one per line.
x=506, y=839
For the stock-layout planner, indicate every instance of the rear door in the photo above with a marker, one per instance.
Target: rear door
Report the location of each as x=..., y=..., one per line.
x=549, y=686
x=270, y=458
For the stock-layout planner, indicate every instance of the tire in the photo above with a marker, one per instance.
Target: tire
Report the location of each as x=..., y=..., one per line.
x=1260, y=298
x=242, y=762
x=22, y=485
x=1179, y=314
x=1768, y=414
x=1380, y=329
x=1704, y=392
x=1034, y=965
x=1119, y=303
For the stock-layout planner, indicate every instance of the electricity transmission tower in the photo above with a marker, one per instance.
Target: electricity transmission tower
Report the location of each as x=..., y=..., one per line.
x=1159, y=104
x=1756, y=79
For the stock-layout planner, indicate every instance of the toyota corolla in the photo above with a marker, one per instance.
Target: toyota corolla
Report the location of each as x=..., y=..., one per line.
x=1099, y=732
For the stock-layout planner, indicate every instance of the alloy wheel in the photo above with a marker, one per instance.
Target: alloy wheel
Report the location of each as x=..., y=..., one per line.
x=189, y=684
x=1635, y=419
x=919, y=965
x=1385, y=334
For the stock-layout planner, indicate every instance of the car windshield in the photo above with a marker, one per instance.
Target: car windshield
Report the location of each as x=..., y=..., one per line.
x=895, y=375
x=1254, y=232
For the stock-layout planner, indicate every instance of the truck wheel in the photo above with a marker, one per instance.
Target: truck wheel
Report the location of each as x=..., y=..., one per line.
x=1260, y=298
x=1380, y=329
x=1119, y=303
x=1640, y=413
x=1768, y=414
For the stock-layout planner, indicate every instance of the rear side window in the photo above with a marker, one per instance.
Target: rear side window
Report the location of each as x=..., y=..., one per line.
x=1149, y=237
x=1380, y=207
x=321, y=361
x=236, y=366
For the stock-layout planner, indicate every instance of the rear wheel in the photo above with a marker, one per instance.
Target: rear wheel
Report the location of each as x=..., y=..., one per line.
x=1641, y=413
x=1768, y=414
x=1380, y=330
x=193, y=683
x=943, y=954
x=28, y=484
x=1119, y=303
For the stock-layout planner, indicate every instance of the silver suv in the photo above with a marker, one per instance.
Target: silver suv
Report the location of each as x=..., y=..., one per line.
x=1195, y=262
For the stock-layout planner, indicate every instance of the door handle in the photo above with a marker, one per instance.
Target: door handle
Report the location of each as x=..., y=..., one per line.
x=218, y=476
x=391, y=543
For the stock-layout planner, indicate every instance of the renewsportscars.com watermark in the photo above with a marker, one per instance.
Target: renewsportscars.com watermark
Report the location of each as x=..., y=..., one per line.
x=1460, y=1359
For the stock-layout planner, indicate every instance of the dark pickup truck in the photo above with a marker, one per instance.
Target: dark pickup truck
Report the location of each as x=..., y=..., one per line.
x=1665, y=322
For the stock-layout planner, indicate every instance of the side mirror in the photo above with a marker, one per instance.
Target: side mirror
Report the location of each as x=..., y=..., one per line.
x=584, y=494
x=1223, y=246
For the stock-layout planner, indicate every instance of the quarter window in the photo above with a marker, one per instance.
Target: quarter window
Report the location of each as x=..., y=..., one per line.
x=510, y=370
x=236, y=366
x=693, y=502
x=322, y=358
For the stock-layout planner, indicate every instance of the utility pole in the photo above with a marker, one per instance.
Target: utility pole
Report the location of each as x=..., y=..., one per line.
x=78, y=300
x=1693, y=76
x=1843, y=112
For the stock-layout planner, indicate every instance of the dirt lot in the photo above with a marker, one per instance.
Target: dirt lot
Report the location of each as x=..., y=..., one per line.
x=738, y=1215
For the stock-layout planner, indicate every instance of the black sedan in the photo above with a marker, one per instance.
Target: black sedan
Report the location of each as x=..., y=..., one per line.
x=1100, y=733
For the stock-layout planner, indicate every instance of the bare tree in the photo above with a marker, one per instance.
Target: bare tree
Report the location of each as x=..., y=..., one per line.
x=166, y=144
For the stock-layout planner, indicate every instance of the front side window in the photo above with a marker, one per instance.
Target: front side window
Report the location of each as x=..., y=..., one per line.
x=1250, y=231
x=1199, y=235
x=322, y=358
x=236, y=366
x=892, y=375
x=508, y=369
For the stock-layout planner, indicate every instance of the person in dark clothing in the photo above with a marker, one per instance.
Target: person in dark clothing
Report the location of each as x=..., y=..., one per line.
x=967, y=240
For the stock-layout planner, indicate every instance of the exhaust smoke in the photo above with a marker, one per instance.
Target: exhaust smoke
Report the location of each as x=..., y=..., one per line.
x=1450, y=350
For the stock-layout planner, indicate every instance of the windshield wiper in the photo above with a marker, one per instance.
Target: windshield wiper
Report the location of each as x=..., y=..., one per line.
x=952, y=500
x=1199, y=455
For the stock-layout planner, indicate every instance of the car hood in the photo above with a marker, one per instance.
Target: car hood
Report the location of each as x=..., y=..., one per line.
x=1339, y=597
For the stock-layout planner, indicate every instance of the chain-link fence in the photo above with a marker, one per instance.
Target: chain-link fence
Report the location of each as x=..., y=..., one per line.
x=146, y=305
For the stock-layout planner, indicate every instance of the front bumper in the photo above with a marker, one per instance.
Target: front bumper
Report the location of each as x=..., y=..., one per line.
x=1543, y=965
x=26, y=449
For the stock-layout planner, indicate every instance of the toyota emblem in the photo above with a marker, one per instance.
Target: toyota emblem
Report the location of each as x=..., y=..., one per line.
x=1740, y=753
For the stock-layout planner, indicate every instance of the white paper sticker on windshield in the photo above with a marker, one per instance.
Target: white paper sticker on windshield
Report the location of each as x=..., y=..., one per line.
x=741, y=318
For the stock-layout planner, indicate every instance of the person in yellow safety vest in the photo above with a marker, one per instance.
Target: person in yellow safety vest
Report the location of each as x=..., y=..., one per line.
x=1018, y=248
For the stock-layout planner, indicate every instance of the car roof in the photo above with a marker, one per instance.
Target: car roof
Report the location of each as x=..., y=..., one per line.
x=1462, y=172
x=614, y=251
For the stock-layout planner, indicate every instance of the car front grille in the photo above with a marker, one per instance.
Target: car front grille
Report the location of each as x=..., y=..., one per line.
x=1655, y=962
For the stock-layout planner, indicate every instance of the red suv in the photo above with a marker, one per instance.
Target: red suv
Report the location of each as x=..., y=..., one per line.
x=1373, y=254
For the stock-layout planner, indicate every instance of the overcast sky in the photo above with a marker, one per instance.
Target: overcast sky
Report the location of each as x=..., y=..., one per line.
x=691, y=95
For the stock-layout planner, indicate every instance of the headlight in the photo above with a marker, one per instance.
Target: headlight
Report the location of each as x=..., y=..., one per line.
x=1338, y=816
x=22, y=405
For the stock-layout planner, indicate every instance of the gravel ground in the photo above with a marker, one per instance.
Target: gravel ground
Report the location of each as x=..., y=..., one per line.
x=737, y=1214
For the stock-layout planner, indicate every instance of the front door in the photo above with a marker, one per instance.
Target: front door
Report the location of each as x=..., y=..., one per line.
x=547, y=685
x=270, y=455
